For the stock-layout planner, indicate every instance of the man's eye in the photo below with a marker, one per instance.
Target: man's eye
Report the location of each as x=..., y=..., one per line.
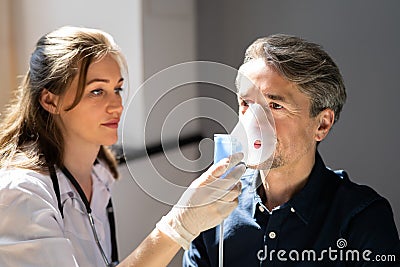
x=97, y=92
x=275, y=106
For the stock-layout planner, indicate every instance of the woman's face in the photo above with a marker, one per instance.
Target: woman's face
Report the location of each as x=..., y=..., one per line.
x=94, y=120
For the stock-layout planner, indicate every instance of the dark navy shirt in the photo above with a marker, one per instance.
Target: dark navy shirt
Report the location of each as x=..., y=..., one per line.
x=330, y=222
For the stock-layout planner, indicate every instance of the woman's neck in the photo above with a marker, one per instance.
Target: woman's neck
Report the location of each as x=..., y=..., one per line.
x=79, y=161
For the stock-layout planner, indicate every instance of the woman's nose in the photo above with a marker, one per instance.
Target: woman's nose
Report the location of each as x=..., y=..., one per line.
x=115, y=105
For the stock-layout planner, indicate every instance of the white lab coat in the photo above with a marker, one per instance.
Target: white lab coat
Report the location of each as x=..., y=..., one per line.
x=32, y=231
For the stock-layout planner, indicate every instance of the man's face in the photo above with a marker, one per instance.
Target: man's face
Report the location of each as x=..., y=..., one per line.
x=296, y=130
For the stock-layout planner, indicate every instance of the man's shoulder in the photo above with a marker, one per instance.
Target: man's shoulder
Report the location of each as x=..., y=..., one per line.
x=351, y=198
x=352, y=193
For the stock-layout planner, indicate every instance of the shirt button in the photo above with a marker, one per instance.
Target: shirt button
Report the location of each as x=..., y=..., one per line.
x=292, y=209
x=261, y=208
x=272, y=235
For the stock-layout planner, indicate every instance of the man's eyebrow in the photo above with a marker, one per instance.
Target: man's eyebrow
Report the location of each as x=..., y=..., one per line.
x=102, y=80
x=275, y=97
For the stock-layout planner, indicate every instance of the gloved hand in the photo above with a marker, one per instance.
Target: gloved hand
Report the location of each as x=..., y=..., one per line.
x=205, y=203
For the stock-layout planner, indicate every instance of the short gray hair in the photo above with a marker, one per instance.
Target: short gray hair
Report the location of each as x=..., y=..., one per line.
x=305, y=64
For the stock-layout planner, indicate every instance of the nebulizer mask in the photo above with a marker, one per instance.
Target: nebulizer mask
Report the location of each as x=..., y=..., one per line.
x=254, y=134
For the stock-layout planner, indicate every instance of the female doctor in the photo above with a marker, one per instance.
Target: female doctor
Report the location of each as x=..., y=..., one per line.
x=56, y=171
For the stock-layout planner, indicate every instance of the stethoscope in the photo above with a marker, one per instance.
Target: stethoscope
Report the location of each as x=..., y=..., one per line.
x=85, y=206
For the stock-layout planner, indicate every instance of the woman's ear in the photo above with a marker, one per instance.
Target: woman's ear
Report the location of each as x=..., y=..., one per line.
x=49, y=101
x=326, y=118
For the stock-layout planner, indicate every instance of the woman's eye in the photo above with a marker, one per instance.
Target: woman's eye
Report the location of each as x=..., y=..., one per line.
x=118, y=90
x=97, y=92
x=275, y=106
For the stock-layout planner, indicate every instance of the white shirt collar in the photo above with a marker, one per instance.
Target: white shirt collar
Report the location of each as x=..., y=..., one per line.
x=102, y=181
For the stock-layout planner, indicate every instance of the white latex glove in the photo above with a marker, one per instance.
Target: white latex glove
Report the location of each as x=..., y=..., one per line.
x=206, y=202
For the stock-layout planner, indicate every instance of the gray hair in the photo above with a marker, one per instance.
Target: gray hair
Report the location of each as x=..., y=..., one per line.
x=305, y=64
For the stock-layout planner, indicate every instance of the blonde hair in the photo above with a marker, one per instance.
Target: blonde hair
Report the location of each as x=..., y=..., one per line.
x=30, y=137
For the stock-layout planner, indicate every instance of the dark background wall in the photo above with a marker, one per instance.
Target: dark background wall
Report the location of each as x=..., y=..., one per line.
x=362, y=37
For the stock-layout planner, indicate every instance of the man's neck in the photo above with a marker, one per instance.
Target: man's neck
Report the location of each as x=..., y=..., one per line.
x=282, y=183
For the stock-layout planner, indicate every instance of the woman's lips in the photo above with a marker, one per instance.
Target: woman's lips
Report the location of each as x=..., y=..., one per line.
x=111, y=124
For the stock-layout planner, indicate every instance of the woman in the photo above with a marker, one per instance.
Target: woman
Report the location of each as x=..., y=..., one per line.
x=56, y=171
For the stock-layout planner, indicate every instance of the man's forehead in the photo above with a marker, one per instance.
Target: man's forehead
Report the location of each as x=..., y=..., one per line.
x=245, y=86
x=253, y=63
x=275, y=87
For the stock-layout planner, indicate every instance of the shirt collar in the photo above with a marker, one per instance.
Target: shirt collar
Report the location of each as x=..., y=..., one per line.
x=304, y=202
x=100, y=175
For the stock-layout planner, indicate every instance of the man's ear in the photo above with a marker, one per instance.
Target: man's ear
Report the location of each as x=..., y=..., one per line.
x=49, y=101
x=326, y=118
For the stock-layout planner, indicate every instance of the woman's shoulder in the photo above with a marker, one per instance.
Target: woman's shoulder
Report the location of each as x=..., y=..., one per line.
x=25, y=180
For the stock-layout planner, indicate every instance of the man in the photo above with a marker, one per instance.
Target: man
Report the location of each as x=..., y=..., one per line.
x=302, y=214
